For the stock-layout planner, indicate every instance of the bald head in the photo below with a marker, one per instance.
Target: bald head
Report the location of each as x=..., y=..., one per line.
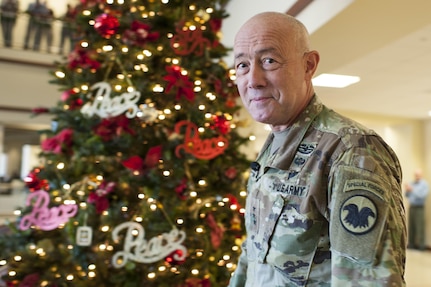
x=287, y=28
x=418, y=174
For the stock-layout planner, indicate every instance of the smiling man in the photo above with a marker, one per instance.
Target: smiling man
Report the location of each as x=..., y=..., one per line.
x=324, y=205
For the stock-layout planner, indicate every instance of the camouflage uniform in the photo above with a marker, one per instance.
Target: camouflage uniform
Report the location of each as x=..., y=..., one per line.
x=326, y=209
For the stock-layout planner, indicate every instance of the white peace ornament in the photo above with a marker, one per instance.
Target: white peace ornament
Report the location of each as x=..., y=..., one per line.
x=105, y=106
x=138, y=249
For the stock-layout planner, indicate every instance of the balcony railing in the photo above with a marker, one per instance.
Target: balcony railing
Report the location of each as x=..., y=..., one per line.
x=43, y=37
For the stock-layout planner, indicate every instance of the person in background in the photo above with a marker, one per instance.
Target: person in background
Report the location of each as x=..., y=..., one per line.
x=9, y=11
x=416, y=193
x=324, y=204
x=66, y=29
x=44, y=30
x=35, y=11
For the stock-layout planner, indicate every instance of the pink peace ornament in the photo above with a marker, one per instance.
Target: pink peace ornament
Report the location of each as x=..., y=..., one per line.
x=44, y=217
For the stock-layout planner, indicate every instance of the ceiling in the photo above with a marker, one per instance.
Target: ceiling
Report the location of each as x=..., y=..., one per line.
x=388, y=44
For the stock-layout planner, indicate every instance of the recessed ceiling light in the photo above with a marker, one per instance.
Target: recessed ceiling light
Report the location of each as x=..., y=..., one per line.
x=334, y=81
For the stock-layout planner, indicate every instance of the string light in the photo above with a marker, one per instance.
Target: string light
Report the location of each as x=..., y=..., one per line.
x=17, y=258
x=158, y=88
x=60, y=74
x=107, y=48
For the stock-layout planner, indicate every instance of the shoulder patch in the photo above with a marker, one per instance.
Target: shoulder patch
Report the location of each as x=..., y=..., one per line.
x=366, y=185
x=358, y=214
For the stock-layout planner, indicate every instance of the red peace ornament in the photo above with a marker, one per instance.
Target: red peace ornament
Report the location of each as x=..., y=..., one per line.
x=187, y=41
x=106, y=25
x=200, y=148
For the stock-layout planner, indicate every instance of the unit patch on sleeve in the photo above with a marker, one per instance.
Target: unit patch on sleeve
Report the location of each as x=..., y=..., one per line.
x=358, y=214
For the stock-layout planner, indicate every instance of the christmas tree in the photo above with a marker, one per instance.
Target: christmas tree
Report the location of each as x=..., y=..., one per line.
x=142, y=182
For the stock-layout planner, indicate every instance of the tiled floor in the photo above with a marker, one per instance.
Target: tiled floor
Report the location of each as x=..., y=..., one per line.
x=418, y=268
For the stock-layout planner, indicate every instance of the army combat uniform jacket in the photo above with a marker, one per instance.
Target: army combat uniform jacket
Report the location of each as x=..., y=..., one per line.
x=325, y=209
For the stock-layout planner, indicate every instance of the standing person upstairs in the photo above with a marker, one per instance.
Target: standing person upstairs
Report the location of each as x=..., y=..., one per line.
x=35, y=11
x=9, y=11
x=324, y=204
x=67, y=28
x=416, y=193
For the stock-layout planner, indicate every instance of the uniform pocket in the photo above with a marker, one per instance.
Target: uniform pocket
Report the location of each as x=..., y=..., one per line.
x=293, y=244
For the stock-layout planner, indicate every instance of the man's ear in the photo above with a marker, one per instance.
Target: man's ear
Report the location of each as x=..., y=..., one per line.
x=311, y=60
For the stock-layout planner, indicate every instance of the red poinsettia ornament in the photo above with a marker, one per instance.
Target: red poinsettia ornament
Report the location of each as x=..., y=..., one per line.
x=136, y=163
x=139, y=34
x=30, y=280
x=171, y=258
x=196, y=282
x=217, y=231
x=34, y=182
x=60, y=143
x=98, y=197
x=182, y=83
x=106, y=25
x=83, y=58
x=231, y=172
x=109, y=128
x=38, y=111
x=221, y=124
x=181, y=188
x=69, y=98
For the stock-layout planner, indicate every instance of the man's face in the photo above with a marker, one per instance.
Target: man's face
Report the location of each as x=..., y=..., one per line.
x=270, y=75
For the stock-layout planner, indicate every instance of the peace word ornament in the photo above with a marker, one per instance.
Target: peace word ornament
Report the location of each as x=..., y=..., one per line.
x=106, y=106
x=44, y=217
x=138, y=249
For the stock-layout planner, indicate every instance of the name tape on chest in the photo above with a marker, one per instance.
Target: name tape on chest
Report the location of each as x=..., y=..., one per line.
x=273, y=184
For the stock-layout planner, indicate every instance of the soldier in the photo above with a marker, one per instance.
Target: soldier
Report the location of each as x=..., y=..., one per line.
x=324, y=205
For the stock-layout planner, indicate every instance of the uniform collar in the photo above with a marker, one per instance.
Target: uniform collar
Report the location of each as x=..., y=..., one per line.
x=296, y=134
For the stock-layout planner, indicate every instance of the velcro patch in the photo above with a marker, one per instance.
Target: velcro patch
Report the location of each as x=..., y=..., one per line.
x=361, y=184
x=358, y=214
